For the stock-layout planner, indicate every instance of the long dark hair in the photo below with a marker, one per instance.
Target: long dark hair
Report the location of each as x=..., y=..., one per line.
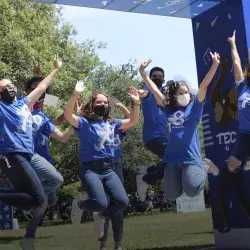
x=87, y=108
x=247, y=71
x=171, y=90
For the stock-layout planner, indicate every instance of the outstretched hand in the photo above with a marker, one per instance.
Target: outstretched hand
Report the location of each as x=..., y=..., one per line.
x=145, y=64
x=215, y=58
x=58, y=62
x=79, y=88
x=232, y=39
x=133, y=92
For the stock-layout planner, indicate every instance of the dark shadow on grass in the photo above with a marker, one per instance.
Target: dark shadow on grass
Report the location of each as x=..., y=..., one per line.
x=197, y=233
x=178, y=248
x=8, y=240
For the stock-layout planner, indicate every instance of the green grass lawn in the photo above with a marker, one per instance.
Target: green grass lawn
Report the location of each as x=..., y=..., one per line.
x=151, y=232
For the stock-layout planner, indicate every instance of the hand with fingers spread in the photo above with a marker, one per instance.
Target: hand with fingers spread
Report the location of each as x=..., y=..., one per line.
x=79, y=88
x=215, y=58
x=58, y=62
x=232, y=39
x=133, y=92
x=145, y=64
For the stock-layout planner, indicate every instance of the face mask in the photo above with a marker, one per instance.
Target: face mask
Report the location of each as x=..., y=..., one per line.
x=8, y=95
x=101, y=110
x=183, y=100
x=158, y=82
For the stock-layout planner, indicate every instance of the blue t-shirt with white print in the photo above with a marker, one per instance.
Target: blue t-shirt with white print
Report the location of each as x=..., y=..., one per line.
x=154, y=125
x=119, y=136
x=96, y=139
x=183, y=141
x=16, y=128
x=42, y=127
x=243, y=105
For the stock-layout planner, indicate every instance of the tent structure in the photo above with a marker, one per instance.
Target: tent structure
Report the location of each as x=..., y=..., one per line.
x=213, y=21
x=174, y=8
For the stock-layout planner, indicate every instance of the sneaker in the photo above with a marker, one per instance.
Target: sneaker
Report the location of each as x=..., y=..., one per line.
x=142, y=187
x=28, y=214
x=27, y=244
x=99, y=221
x=211, y=167
x=76, y=212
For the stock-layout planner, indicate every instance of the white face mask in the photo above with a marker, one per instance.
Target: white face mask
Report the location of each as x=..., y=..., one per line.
x=183, y=100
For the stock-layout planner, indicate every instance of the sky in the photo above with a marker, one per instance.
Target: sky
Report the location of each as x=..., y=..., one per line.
x=168, y=41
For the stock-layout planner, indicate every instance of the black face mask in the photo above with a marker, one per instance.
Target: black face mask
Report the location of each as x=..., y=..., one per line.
x=101, y=110
x=8, y=95
x=158, y=82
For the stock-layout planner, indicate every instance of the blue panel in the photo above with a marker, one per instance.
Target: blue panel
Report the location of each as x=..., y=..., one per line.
x=197, y=8
x=178, y=8
x=246, y=6
x=220, y=125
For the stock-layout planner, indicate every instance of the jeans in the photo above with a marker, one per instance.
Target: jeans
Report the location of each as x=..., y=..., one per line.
x=50, y=178
x=98, y=179
x=117, y=218
x=181, y=177
x=27, y=189
x=157, y=147
x=38, y=215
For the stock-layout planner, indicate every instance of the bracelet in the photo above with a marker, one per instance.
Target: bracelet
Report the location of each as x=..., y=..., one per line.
x=137, y=103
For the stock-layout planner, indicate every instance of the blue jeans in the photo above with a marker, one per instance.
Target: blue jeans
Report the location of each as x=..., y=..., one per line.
x=50, y=199
x=97, y=179
x=157, y=147
x=27, y=189
x=117, y=218
x=180, y=177
x=50, y=178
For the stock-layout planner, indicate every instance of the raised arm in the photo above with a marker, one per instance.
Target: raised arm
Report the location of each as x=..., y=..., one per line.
x=68, y=113
x=209, y=77
x=60, y=136
x=238, y=72
x=151, y=85
x=43, y=85
x=134, y=119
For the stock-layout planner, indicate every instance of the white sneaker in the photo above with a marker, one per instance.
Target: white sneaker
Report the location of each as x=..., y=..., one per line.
x=211, y=167
x=99, y=221
x=143, y=170
x=76, y=212
x=142, y=187
x=27, y=244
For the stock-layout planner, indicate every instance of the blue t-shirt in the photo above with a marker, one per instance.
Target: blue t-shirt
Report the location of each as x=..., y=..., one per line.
x=96, y=139
x=119, y=136
x=42, y=127
x=243, y=105
x=16, y=128
x=183, y=141
x=154, y=125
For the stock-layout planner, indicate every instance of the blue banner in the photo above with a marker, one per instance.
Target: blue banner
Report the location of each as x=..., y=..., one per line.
x=230, y=193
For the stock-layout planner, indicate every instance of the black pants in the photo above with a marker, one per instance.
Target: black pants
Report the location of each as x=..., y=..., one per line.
x=27, y=189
